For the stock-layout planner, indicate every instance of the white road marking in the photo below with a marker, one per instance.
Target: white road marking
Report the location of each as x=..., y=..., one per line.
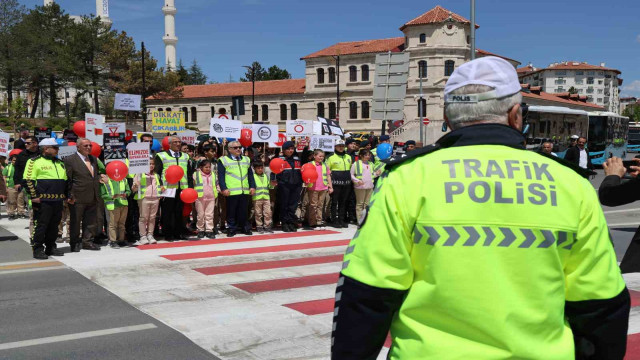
x=60, y=267
x=620, y=211
x=76, y=336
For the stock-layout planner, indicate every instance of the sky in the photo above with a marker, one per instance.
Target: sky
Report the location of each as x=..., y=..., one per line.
x=224, y=35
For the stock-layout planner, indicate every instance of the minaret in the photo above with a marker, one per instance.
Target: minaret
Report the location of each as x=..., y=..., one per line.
x=48, y=2
x=169, y=38
x=102, y=10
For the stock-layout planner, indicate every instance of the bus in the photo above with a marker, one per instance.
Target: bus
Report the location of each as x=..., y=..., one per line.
x=555, y=124
x=608, y=136
x=633, y=144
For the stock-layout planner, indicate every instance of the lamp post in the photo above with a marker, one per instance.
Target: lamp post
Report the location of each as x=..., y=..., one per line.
x=66, y=107
x=144, y=89
x=337, y=59
x=473, y=29
x=254, y=115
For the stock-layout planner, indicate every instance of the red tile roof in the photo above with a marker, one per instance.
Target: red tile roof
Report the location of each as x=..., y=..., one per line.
x=360, y=47
x=436, y=15
x=575, y=65
x=552, y=97
x=525, y=69
x=487, y=53
x=273, y=87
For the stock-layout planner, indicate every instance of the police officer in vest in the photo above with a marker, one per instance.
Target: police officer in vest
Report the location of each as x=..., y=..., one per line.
x=474, y=248
x=45, y=179
x=289, y=187
x=340, y=166
x=235, y=178
x=171, y=207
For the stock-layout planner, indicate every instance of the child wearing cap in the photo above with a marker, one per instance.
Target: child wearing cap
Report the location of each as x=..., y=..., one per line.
x=147, y=187
x=261, y=199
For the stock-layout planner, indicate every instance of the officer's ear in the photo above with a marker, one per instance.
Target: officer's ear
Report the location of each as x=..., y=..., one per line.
x=514, y=117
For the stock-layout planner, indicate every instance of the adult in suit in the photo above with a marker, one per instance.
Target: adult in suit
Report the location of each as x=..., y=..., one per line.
x=84, y=192
x=578, y=155
x=20, y=143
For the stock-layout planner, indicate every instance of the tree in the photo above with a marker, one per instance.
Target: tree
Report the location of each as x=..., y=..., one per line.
x=196, y=76
x=633, y=112
x=275, y=73
x=11, y=13
x=573, y=90
x=256, y=70
x=183, y=73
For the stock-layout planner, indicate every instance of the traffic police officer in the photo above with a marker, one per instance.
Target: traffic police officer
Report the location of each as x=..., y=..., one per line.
x=45, y=179
x=340, y=166
x=474, y=248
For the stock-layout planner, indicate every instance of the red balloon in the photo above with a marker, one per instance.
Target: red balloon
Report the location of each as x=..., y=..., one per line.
x=117, y=170
x=129, y=135
x=165, y=143
x=188, y=195
x=308, y=165
x=281, y=139
x=245, y=137
x=71, y=143
x=309, y=175
x=174, y=174
x=95, y=149
x=14, y=152
x=79, y=128
x=277, y=165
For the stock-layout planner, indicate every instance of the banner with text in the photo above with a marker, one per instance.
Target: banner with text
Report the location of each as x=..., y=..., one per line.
x=66, y=151
x=322, y=142
x=299, y=128
x=139, y=158
x=42, y=133
x=167, y=121
x=114, y=128
x=114, y=147
x=127, y=102
x=93, y=127
x=188, y=137
x=4, y=144
x=264, y=133
x=222, y=128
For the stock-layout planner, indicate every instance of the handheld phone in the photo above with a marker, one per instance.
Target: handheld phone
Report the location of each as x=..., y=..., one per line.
x=629, y=163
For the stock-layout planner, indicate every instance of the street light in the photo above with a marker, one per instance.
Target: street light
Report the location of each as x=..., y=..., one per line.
x=254, y=114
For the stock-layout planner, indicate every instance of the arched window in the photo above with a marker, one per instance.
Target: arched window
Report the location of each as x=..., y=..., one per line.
x=213, y=111
x=233, y=111
x=265, y=112
x=194, y=114
x=332, y=110
x=365, y=109
x=422, y=107
x=423, y=38
x=353, y=73
x=283, y=112
x=186, y=113
x=422, y=69
x=332, y=75
x=254, y=112
x=364, y=70
x=448, y=67
x=160, y=109
x=353, y=110
x=294, y=111
x=320, y=73
x=168, y=109
x=321, y=110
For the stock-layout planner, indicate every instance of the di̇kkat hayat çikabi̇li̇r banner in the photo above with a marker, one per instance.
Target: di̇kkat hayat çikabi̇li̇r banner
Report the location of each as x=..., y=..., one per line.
x=167, y=121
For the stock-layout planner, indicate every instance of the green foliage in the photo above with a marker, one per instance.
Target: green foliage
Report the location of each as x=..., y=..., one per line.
x=260, y=74
x=572, y=90
x=633, y=112
x=79, y=108
x=57, y=124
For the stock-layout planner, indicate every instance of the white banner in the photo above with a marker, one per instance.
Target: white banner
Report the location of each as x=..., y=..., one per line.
x=127, y=102
x=281, y=139
x=317, y=128
x=93, y=127
x=114, y=128
x=264, y=133
x=138, y=157
x=299, y=128
x=188, y=136
x=221, y=128
x=322, y=142
x=4, y=145
x=66, y=151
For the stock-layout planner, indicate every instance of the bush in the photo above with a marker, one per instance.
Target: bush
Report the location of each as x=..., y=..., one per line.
x=57, y=124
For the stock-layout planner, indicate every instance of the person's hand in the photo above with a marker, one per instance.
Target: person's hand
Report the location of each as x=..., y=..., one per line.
x=330, y=190
x=104, y=179
x=614, y=166
x=163, y=189
x=134, y=187
x=36, y=200
x=252, y=191
x=226, y=192
x=274, y=183
x=635, y=170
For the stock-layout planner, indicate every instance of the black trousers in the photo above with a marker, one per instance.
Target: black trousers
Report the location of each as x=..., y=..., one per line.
x=351, y=206
x=85, y=216
x=289, y=197
x=172, y=216
x=339, y=201
x=46, y=219
x=237, y=207
x=133, y=215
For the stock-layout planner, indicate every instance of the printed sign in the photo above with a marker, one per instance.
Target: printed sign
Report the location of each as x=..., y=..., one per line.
x=264, y=133
x=302, y=143
x=222, y=116
x=167, y=121
x=66, y=151
x=42, y=133
x=281, y=139
x=299, y=128
x=222, y=128
x=322, y=142
x=114, y=128
x=93, y=127
x=114, y=147
x=127, y=102
x=4, y=144
x=188, y=137
x=69, y=135
x=138, y=158
x=330, y=127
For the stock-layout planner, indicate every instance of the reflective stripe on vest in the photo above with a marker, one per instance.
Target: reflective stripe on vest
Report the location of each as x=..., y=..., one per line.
x=110, y=204
x=199, y=184
x=236, y=175
x=167, y=161
x=143, y=186
x=358, y=171
x=262, y=187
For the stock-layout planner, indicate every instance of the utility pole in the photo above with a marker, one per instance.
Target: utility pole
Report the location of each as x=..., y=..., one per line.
x=144, y=89
x=473, y=29
x=420, y=100
x=254, y=114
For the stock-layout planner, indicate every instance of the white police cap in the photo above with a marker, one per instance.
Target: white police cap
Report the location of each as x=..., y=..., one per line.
x=491, y=71
x=48, y=142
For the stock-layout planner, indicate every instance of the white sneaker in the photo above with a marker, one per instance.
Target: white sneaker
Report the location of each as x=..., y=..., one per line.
x=151, y=239
x=137, y=243
x=144, y=240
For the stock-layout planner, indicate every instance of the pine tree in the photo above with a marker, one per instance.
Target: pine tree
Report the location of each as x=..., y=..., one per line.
x=196, y=76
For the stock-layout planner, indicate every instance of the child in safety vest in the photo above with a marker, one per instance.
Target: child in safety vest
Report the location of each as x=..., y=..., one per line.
x=362, y=175
x=206, y=186
x=319, y=191
x=115, y=193
x=147, y=187
x=261, y=199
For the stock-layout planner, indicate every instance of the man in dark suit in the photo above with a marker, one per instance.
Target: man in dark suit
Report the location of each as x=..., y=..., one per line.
x=20, y=143
x=578, y=155
x=84, y=191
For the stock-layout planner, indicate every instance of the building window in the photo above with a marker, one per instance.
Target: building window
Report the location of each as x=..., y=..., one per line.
x=364, y=70
x=364, y=109
x=168, y=109
x=600, y=100
x=422, y=69
x=213, y=111
x=186, y=113
x=254, y=112
x=579, y=72
x=589, y=80
x=332, y=75
x=590, y=98
x=579, y=82
x=332, y=110
x=320, y=76
x=321, y=110
x=422, y=107
x=591, y=72
x=423, y=38
x=353, y=110
x=600, y=91
x=580, y=91
x=560, y=89
x=353, y=73
x=294, y=111
x=448, y=67
x=194, y=114
x=561, y=72
x=233, y=111
x=599, y=82
x=283, y=112
x=160, y=109
x=265, y=112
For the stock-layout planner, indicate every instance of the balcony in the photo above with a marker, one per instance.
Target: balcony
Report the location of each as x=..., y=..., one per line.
x=590, y=90
x=560, y=82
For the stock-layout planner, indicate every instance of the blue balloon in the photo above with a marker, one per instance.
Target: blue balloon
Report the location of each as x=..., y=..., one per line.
x=156, y=146
x=54, y=135
x=61, y=142
x=384, y=151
